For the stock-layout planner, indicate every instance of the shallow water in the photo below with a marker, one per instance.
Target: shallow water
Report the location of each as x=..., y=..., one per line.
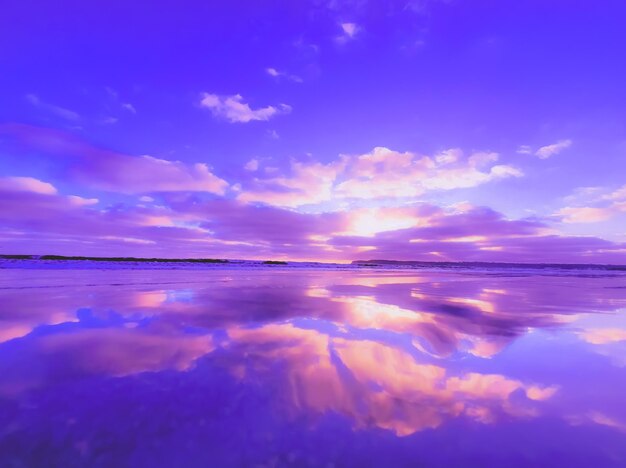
x=306, y=367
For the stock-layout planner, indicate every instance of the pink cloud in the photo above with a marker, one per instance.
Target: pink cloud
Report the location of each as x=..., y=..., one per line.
x=379, y=174
x=104, y=351
x=481, y=234
x=377, y=385
x=234, y=109
x=52, y=109
x=145, y=174
x=584, y=214
x=26, y=184
x=348, y=32
x=601, y=336
x=308, y=183
x=35, y=218
x=117, y=172
x=604, y=206
x=550, y=150
x=617, y=195
x=186, y=226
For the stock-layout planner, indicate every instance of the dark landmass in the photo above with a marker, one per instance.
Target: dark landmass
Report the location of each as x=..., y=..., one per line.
x=114, y=259
x=420, y=264
x=356, y=263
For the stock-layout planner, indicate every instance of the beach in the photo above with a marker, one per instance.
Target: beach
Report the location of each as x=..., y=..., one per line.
x=271, y=365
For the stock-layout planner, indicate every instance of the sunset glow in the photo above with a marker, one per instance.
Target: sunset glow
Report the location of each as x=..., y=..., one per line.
x=417, y=130
x=313, y=233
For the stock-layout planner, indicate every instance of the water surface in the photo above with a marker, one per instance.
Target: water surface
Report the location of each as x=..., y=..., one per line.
x=311, y=367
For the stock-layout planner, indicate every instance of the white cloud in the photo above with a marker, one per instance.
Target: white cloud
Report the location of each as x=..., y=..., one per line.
x=379, y=174
x=617, y=195
x=115, y=97
x=39, y=187
x=550, y=150
x=234, y=109
x=524, y=149
x=129, y=107
x=309, y=183
x=590, y=206
x=81, y=201
x=27, y=184
x=349, y=31
x=280, y=74
x=252, y=165
x=57, y=110
x=448, y=156
x=584, y=214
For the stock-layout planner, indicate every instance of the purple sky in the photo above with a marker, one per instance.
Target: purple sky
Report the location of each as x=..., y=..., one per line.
x=320, y=130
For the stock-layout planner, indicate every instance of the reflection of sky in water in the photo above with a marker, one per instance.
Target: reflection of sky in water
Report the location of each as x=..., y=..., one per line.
x=273, y=367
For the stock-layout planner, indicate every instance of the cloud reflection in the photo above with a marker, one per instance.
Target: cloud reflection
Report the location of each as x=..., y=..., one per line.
x=114, y=352
x=399, y=351
x=378, y=385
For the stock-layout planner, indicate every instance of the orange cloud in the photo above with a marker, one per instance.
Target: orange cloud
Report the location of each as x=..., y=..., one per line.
x=389, y=389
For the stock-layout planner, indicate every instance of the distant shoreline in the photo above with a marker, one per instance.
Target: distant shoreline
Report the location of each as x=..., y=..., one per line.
x=383, y=264
x=422, y=264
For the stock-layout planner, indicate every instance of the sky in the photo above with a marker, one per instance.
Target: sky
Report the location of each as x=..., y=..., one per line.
x=434, y=130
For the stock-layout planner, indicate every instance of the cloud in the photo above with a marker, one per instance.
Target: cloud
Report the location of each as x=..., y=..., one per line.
x=115, y=97
x=618, y=195
x=42, y=224
x=380, y=174
x=118, y=172
x=478, y=234
x=53, y=109
x=309, y=183
x=421, y=7
x=38, y=209
x=53, y=223
x=99, y=351
x=80, y=201
x=371, y=221
x=252, y=165
x=349, y=29
x=280, y=74
x=359, y=206
x=235, y=221
x=550, y=150
x=146, y=174
x=234, y=109
x=603, y=335
x=129, y=107
x=584, y=214
x=182, y=225
x=26, y=184
x=348, y=32
x=377, y=385
x=603, y=207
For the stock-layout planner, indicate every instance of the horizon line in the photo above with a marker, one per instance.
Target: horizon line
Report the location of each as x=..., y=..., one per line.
x=374, y=262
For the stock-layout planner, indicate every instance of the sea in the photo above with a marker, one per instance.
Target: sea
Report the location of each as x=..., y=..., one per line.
x=245, y=364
